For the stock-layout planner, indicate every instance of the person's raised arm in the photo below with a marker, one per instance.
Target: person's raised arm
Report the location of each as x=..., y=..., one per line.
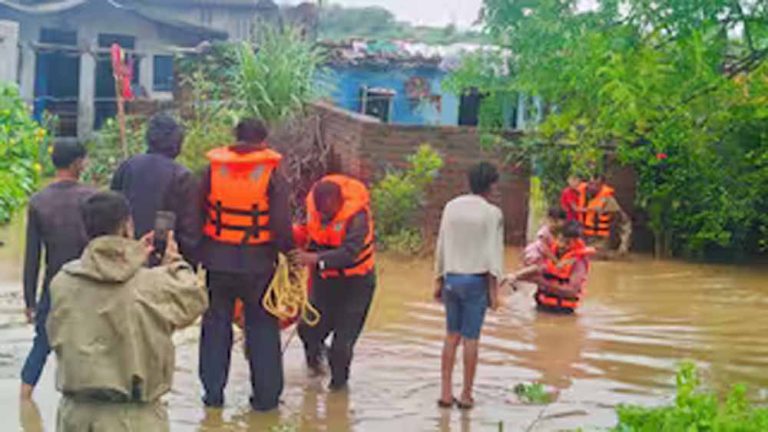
x=177, y=293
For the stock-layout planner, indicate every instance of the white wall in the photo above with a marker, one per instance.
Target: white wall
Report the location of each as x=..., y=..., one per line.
x=9, y=51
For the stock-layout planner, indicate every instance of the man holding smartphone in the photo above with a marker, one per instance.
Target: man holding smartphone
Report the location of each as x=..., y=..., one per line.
x=247, y=222
x=112, y=320
x=155, y=182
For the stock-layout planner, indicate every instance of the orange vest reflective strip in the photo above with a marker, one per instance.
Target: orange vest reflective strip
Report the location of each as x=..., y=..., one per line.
x=595, y=222
x=560, y=272
x=331, y=235
x=238, y=203
x=553, y=301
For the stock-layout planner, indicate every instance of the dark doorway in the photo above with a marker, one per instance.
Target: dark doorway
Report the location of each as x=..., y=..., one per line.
x=57, y=79
x=105, y=105
x=469, y=107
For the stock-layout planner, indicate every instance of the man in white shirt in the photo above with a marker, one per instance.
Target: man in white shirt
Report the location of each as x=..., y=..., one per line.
x=469, y=265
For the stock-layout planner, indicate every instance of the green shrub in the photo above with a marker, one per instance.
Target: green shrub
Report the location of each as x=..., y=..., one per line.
x=695, y=410
x=105, y=152
x=208, y=124
x=399, y=195
x=21, y=140
x=532, y=393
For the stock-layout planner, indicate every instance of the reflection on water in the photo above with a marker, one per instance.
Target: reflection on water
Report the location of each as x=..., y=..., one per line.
x=639, y=320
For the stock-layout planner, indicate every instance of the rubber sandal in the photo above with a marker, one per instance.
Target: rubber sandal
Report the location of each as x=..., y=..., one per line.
x=465, y=405
x=443, y=404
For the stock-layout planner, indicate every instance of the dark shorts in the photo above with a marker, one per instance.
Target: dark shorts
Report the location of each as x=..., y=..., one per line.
x=466, y=300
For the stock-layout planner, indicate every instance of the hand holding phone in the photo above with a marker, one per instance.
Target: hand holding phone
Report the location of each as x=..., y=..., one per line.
x=165, y=223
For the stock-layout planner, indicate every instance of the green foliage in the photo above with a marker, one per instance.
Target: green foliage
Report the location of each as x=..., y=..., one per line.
x=217, y=64
x=694, y=410
x=208, y=124
x=105, y=152
x=277, y=81
x=533, y=393
x=50, y=124
x=399, y=195
x=676, y=89
x=21, y=140
x=375, y=22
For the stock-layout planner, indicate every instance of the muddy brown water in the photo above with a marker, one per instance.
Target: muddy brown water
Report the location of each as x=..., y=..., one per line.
x=639, y=320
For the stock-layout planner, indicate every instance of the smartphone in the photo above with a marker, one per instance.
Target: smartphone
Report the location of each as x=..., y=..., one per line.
x=165, y=222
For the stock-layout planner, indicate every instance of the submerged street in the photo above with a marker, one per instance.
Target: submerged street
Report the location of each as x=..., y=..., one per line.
x=639, y=320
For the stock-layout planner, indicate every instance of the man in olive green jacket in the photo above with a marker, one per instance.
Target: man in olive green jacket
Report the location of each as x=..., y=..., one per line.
x=111, y=324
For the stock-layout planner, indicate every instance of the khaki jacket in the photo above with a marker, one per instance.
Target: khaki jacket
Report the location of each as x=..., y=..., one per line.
x=112, y=319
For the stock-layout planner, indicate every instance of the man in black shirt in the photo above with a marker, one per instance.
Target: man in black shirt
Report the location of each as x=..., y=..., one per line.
x=155, y=182
x=54, y=224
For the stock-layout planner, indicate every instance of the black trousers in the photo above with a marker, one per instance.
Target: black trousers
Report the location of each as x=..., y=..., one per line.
x=343, y=304
x=262, y=337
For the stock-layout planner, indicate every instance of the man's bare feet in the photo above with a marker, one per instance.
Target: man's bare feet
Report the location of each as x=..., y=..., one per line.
x=26, y=391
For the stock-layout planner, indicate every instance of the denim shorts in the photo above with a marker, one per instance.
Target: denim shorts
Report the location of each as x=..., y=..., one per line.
x=466, y=300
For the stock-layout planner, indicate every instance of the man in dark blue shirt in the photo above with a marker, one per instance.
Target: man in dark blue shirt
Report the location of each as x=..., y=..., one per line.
x=154, y=182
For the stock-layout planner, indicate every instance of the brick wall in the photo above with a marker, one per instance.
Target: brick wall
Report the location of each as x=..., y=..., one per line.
x=366, y=148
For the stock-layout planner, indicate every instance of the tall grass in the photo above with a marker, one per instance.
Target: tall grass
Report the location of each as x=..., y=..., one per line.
x=277, y=79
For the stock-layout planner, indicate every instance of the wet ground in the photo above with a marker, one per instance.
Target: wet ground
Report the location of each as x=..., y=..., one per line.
x=639, y=320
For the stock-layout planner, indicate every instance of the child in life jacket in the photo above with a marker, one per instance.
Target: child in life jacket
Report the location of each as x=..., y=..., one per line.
x=539, y=251
x=563, y=279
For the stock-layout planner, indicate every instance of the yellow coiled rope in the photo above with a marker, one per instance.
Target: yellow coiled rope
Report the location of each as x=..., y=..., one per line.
x=287, y=297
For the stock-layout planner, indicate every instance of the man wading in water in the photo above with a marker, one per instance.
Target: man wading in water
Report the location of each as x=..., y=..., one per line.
x=469, y=264
x=54, y=223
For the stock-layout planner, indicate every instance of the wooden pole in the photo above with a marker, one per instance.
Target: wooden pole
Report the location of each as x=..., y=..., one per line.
x=121, y=115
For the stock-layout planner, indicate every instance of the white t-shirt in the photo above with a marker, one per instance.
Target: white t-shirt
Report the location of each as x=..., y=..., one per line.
x=471, y=238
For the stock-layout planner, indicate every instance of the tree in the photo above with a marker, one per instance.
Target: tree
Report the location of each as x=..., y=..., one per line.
x=20, y=139
x=677, y=89
x=339, y=23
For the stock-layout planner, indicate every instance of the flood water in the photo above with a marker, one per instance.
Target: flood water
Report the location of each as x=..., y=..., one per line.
x=641, y=317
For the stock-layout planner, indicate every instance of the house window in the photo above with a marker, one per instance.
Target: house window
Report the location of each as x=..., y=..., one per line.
x=58, y=37
x=162, y=73
x=377, y=102
x=469, y=108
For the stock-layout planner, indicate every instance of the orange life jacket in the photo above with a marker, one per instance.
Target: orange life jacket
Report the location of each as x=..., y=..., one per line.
x=560, y=272
x=331, y=235
x=596, y=223
x=238, y=204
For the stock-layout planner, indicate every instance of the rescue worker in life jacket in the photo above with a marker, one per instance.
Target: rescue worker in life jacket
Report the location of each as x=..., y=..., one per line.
x=562, y=282
x=341, y=253
x=247, y=222
x=600, y=214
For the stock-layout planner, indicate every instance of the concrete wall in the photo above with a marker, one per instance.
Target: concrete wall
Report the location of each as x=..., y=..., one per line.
x=366, y=148
x=346, y=83
x=9, y=51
